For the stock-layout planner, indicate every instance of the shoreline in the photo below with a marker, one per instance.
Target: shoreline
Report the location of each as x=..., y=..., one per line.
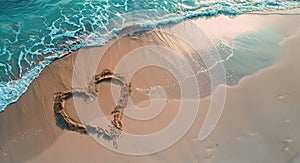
x=75, y=43
x=24, y=124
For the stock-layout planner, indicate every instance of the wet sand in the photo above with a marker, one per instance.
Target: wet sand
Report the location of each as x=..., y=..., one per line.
x=260, y=121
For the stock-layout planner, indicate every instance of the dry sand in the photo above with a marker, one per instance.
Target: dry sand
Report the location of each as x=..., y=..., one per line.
x=260, y=122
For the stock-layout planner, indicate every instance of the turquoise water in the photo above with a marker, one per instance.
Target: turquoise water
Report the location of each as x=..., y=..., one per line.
x=35, y=32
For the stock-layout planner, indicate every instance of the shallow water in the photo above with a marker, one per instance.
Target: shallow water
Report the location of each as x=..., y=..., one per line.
x=252, y=52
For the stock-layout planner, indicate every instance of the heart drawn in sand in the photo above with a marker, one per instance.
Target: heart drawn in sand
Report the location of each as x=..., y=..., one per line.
x=91, y=93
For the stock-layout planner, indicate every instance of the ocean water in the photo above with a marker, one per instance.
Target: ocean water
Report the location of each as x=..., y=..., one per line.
x=33, y=33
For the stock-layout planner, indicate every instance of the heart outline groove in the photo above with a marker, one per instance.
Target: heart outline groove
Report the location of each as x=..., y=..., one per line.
x=90, y=93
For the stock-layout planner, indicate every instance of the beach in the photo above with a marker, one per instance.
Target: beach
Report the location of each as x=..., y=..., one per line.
x=259, y=123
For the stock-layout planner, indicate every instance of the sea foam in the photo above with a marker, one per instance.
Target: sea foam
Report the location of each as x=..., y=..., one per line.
x=35, y=33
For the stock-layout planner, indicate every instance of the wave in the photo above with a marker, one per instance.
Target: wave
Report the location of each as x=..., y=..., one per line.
x=57, y=28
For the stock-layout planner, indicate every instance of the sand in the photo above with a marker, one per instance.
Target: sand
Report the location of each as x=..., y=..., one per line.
x=260, y=121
